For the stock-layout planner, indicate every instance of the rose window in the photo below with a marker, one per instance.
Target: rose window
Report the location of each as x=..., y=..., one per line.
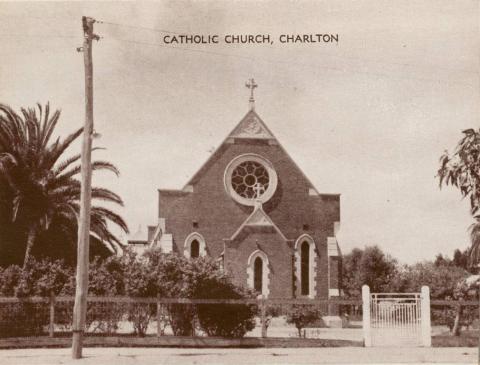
x=250, y=180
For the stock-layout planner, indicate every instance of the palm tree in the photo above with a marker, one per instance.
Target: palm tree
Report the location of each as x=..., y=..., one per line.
x=39, y=190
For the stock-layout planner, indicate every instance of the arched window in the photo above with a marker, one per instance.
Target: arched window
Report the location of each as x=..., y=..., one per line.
x=257, y=274
x=194, y=249
x=195, y=246
x=305, y=268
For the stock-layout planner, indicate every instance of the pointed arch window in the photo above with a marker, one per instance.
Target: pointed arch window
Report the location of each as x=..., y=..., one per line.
x=305, y=266
x=195, y=246
x=194, y=249
x=258, y=273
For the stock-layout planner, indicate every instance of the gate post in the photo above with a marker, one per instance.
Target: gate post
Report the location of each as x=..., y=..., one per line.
x=425, y=317
x=367, y=333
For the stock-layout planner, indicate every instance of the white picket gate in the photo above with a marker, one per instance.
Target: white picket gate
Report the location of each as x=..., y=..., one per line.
x=396, y=319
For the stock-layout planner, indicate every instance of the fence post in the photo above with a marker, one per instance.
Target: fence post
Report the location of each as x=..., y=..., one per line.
x=263, y=318
x=159, y=308
x=51, y=328
x=425, y=317
x=367, y=333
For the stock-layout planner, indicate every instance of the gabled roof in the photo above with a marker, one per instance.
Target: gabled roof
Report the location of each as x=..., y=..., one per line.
x=258, y=218
x=250, y=127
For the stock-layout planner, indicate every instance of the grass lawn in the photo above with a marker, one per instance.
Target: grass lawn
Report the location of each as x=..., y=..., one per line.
x=467, y=338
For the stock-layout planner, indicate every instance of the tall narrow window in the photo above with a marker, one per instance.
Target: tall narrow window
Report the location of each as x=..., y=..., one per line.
x=194, y=249
x=258, y=270
x=258, y=274
x=305, y=268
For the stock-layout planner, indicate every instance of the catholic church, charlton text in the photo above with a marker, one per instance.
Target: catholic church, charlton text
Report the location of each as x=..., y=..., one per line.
x=253, y=210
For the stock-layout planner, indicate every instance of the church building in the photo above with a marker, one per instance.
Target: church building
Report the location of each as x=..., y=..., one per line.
x=252, y=209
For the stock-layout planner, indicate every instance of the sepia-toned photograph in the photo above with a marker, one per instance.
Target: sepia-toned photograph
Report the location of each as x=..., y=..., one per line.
x=227, y=182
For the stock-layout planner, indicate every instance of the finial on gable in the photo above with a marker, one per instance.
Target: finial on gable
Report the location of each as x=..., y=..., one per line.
x=251, y=85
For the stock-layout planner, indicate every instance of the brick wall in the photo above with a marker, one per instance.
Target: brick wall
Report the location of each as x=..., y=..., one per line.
x=218, y=216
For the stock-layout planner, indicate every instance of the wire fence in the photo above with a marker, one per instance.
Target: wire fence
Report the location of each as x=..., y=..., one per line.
x=127, y=316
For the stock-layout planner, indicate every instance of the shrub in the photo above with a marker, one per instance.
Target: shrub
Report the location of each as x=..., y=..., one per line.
x=106, y=278
x=225, y=320
x=301, y=316
x=22, y=319
x=154, y=274
x=177, y=276
x=182, y=319
x=38, y=278
x=139, y=282
x=167, y=273
x=9, y=279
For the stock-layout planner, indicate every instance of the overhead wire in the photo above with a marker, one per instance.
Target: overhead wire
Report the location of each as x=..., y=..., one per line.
x=342, y=70
x=137, y=27
x=38, y=35
x=158, y=30
x=222, y=54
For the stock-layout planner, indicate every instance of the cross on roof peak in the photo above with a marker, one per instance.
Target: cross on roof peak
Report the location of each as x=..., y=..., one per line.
x=251, y=85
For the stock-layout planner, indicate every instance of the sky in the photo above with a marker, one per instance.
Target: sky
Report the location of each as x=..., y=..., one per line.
x=366, y=117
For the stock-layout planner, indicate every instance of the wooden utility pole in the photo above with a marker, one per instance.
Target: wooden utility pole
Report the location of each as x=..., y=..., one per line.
x=80, y=308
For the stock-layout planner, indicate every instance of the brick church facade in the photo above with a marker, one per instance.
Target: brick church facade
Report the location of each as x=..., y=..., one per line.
x=253, y=210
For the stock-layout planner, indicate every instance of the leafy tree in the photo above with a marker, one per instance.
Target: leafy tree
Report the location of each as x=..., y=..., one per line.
x=40, y=193
x=371, y=267
x=350, y=267
x=442, y=280
x=460, y=259
x=462, y=170
x=442, y=261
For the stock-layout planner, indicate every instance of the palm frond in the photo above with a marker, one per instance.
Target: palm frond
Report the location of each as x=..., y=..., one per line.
x=111, y=216
x=106, y=195
x=96, y=165
x=60, y=148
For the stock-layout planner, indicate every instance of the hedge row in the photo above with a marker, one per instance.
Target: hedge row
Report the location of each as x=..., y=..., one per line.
x=150, y=275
